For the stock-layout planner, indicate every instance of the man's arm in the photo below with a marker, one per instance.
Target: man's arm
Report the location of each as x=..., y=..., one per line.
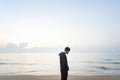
x=64, y=62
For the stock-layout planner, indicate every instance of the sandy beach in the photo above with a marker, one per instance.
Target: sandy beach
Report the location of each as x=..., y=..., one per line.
x=56, y=77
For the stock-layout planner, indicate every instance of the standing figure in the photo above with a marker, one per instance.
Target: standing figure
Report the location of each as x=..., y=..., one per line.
x=64, y=68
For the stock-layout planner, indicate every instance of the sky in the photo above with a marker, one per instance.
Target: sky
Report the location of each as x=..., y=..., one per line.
x=60, y=23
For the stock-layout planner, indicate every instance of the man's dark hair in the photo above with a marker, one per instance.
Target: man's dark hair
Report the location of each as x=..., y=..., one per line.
x=67, y=49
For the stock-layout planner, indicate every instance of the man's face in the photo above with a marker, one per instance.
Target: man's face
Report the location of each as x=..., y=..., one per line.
x=67, y=52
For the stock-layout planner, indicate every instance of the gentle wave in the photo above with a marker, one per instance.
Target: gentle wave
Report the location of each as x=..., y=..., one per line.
x=106, y=68
x=101, y=62
x=3, y=63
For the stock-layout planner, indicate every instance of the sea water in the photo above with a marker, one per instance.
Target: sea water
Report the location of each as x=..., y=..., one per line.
x=49, y=64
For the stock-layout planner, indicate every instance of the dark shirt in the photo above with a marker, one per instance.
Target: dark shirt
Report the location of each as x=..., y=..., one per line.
x=63, y=62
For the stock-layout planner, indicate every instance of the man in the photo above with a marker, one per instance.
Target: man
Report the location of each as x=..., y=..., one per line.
x=64, y=68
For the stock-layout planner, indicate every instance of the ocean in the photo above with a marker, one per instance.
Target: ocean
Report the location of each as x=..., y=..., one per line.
x=48, y=63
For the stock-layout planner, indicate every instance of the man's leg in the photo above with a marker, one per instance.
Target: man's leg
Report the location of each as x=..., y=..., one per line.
x=64, y=75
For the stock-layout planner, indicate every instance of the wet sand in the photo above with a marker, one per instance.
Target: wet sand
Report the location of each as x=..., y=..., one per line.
x=57, y=77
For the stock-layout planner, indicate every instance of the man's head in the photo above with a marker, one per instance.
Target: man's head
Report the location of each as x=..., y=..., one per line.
x=67, y=50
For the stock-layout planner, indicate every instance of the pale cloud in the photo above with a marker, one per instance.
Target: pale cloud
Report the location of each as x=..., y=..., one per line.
x=22, y=48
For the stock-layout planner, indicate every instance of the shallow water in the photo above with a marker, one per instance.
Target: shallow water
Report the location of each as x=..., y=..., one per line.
x=48, y=63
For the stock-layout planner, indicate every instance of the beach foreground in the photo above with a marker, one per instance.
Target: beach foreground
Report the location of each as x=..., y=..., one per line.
x=55, y=77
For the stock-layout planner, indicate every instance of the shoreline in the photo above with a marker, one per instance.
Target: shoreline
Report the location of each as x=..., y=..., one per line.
x=57, y=77
x=92, y=74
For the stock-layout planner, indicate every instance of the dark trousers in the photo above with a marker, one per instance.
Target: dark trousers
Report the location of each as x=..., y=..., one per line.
x=64, y=75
